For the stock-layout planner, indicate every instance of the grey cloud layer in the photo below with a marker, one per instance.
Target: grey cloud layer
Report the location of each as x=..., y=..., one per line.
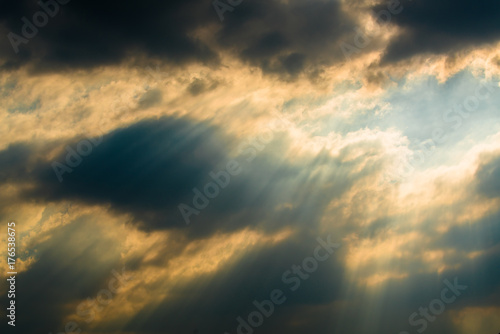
x=439, y=27
x=275, y=36
x=286, y=38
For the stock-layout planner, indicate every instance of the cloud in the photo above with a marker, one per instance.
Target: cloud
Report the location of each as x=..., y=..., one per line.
x=135, y=170
x=199, y=86
x=70, y=266
x=149, y=168
x=217, y=299
x=84, y=34
x=150, y=99
x=145, y=169
x=287, y=38
x=488, y=176
x=430, y=27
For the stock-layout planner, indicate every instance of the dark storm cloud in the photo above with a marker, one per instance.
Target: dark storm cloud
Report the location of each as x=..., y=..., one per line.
x=86, y=34
x=146, y=169
x=12, y=161
x=440, y=27
x=17, y=160
x=286, y=37
x=151, y=167
x=278, y=37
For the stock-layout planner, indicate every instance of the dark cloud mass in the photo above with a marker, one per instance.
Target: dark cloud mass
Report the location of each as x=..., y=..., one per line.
x=87, y=34
x=146, y=169
x=285, y=38
x=151, y=167
x=276, y=36
x=440, y=27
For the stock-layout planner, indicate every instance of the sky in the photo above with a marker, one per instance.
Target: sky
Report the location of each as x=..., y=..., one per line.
x=250, y=166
